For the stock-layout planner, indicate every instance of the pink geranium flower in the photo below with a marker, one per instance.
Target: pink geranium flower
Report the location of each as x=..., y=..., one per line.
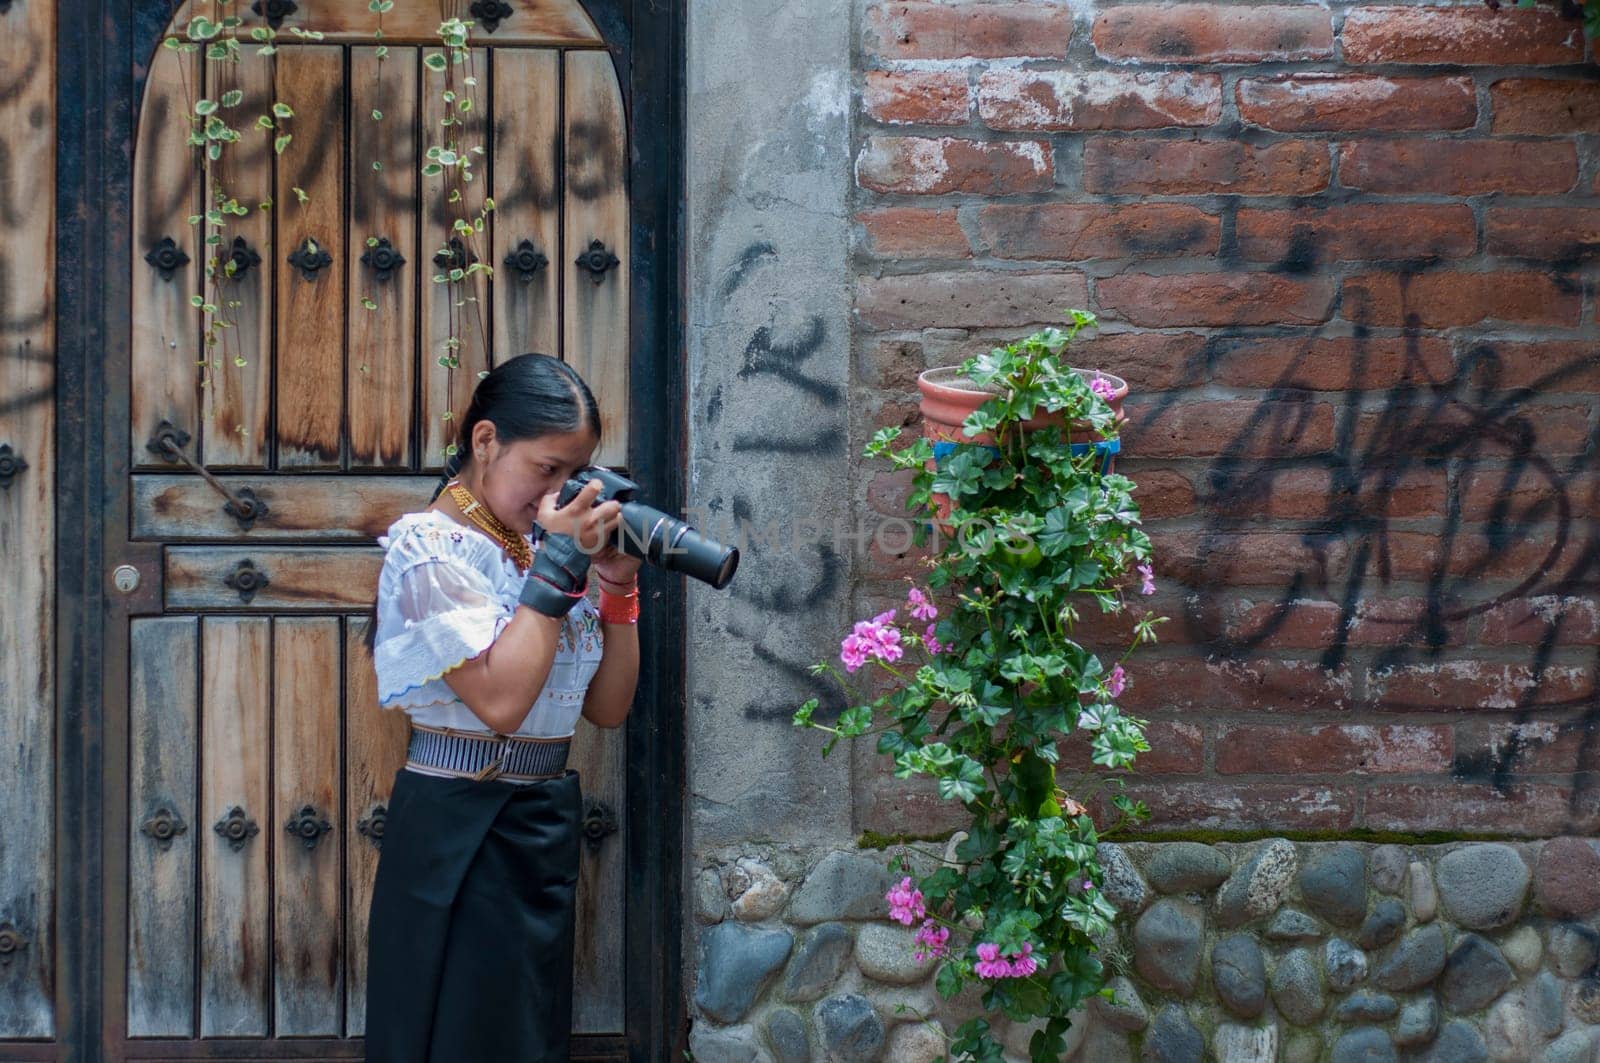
x=853, y=652
x=934, y=941
x=1116, y=682
x=1103, y=387
x=887, y=646
x=989, y=964
x=1149, y=574
x=905, y=903
x=877, y=637
x=921, y=607
x=1015, y=965
x=929, y=640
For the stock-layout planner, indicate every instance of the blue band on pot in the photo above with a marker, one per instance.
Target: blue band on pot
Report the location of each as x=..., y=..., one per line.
x=1107, y=447
x=943, y=449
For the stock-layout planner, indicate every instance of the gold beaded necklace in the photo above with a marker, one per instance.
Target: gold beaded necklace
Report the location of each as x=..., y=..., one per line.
x=515, y=546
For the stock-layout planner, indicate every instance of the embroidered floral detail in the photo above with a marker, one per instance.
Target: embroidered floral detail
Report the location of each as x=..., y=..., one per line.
x=411, y=673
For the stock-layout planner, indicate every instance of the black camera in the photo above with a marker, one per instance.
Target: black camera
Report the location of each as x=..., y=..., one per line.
x=653, y=536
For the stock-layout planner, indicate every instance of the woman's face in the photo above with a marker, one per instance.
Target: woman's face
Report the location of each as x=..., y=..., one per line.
x=513, y=477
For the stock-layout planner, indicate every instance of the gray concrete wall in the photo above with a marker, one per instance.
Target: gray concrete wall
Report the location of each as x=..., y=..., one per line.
x=769, y=178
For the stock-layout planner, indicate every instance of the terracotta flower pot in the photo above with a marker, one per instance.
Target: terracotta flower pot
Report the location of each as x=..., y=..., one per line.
x=949, y=397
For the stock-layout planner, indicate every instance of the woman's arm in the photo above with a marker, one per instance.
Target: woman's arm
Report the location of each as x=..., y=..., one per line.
x=501, y=684
x=611, y=690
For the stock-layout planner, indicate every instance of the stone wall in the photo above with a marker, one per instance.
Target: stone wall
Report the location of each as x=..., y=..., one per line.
x=1321, y=952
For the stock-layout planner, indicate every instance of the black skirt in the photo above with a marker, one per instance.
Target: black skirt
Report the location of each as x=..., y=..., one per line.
x=469, y=946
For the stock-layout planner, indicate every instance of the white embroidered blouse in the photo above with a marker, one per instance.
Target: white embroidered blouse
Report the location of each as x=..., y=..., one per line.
x=445, y=592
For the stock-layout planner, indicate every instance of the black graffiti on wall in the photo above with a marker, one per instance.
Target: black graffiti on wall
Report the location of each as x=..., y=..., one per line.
x=1519, y=518
x=798, y=418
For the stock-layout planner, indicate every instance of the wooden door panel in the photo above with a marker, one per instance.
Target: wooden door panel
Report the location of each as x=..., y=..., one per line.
x=307, y=940
x=455, y=314
x=311, y=269
x=166, y=333
x=596, y=212
x=377, y=749
x=235, y=427
x=381, y=367
x=330, y=508
x=28, y=527
x=295, y=578
x=546, y=22
x=600, y=758
x=163, y=829
x=527, y=201
x=235, y=728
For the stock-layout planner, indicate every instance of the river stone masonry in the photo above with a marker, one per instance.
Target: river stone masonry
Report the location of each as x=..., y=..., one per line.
x=1305, y=952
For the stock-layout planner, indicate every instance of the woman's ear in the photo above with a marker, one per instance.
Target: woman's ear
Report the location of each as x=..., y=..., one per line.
x=484, y=441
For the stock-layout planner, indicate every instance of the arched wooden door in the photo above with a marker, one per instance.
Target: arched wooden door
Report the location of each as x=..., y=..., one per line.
x=278, y=415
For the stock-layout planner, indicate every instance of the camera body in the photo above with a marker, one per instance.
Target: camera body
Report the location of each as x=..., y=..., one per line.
x=615, y=486
x=653, y=536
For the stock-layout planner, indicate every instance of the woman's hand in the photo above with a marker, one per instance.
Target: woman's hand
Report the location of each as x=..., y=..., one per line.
x=591, y=526
x=594, y=527
x=614, y=566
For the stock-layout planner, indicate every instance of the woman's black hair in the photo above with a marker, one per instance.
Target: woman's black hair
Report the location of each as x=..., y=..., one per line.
x=524, y=397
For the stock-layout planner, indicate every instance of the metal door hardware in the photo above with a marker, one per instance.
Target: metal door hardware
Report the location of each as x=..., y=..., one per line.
x=163, y=826
x=242, y=505
x=372, y=824
x=308, y=825
x=246, y=579
x=597, y=260
x=125, y=578
x=236, y=828
x=599, y=821
x=11, y=465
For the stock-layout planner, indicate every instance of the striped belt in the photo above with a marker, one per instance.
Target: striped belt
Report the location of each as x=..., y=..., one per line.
x=483, y=755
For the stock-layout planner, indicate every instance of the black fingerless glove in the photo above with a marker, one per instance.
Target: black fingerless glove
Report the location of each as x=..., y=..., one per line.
x=559, y=577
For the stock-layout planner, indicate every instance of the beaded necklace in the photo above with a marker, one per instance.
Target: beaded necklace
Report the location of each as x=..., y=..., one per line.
x=515, y=546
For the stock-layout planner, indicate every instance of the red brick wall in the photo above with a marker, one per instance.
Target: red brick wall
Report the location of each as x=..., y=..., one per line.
x=1343, y=254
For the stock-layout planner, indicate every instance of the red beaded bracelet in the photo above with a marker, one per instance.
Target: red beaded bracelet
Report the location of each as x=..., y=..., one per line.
x=619, y=608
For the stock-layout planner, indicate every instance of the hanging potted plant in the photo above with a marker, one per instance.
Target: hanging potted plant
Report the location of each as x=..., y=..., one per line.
x=951, y=394
x=981, y=680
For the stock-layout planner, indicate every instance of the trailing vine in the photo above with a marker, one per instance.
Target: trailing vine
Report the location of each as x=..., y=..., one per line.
x=219, y=33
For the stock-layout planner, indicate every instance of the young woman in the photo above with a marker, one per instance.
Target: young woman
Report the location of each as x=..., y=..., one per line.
x=486, y=639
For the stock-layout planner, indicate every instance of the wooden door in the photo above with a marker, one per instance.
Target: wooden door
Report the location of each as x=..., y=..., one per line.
x=29, y=901
x=274, y=431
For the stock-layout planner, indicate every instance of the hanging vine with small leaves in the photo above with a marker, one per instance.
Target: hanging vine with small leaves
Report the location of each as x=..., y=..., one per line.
x=209, y=101
x=452, y=160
